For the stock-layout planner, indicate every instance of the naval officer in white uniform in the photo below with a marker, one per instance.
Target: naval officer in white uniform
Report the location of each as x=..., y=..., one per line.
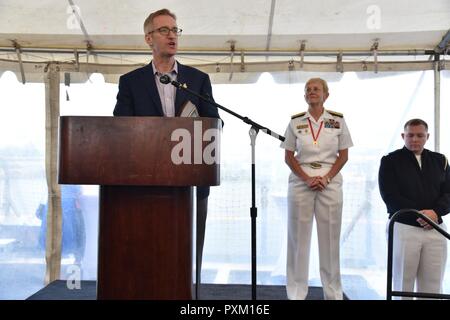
x=316, y=149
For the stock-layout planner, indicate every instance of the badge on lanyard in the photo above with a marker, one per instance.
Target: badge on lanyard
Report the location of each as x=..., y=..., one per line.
x=315, y=136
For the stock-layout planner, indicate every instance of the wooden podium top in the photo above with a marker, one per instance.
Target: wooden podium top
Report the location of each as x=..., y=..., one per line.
x=141, y=151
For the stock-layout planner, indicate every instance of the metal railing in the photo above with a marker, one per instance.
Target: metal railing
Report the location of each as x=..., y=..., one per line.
x=389, y=292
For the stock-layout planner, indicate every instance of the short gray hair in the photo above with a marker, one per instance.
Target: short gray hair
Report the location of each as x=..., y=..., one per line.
x=162, y=12
x=320, y=80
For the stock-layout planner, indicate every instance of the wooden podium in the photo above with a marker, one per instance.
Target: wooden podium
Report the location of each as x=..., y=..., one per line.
x=146, y=199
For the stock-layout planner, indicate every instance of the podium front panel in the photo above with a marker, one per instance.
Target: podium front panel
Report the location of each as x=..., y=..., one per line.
x=145, y=243
x=139, y=151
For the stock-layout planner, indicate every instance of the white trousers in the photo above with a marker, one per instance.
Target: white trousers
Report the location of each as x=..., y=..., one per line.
x=326, y=207
x=419, y=258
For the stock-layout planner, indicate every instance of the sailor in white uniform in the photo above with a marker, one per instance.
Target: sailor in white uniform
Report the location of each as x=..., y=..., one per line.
x=316, y=149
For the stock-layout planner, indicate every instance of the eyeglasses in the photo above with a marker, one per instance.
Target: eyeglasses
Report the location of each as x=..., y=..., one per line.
x=166, y=30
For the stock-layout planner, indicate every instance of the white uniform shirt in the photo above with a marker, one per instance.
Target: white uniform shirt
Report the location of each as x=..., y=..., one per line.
x=333, y=136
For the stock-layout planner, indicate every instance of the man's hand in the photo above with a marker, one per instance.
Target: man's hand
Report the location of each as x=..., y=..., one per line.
x=430, y=214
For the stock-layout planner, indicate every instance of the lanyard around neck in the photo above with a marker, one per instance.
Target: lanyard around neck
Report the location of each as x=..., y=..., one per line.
x=314, y=136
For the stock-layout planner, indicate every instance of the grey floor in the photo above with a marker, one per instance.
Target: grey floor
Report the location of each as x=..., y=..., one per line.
x=58, y=290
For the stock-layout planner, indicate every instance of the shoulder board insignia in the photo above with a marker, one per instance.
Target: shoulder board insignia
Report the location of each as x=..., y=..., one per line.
x=446, y=163
x=336, y=114
x=298, y=115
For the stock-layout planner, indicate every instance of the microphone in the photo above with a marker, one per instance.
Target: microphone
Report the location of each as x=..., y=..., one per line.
x=165, y=79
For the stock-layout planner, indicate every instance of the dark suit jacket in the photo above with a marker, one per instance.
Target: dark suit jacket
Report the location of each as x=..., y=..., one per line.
x=138, y=96
x=404, y=185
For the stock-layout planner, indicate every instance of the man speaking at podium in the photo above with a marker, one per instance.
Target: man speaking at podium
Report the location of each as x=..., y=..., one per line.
x=141, y=93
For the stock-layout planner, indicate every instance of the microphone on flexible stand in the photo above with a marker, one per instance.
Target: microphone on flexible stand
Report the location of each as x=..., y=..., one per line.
x=255, y=127
x=165, y=79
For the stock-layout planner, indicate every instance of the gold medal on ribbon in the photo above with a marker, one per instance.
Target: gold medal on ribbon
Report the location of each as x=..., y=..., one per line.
x=314, y=136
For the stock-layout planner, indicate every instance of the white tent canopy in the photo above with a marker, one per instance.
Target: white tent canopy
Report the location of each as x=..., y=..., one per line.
x=262, y=31
x=210, y=25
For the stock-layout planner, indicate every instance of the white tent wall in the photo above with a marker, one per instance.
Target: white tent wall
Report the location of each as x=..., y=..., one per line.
x=334, y=79
x=233, y=41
